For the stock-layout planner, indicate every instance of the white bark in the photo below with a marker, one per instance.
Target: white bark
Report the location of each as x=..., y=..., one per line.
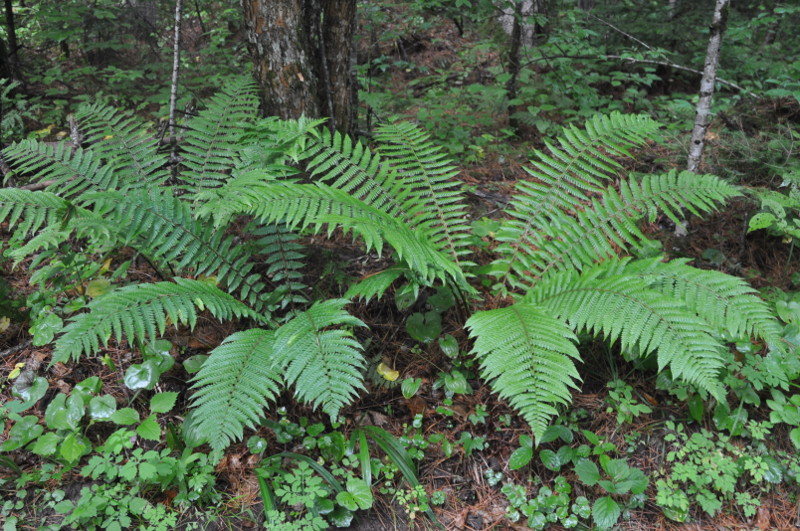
x=707, y=85
x=697, y=142
x=176, y=59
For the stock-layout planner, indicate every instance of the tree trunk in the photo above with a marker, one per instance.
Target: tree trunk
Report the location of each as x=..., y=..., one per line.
x=697, y=142
x=302, y=51
x=707, y=84
x=514, y=67
x=10, y=55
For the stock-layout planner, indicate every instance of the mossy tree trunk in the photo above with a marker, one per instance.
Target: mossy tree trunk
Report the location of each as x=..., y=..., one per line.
x=302, y=54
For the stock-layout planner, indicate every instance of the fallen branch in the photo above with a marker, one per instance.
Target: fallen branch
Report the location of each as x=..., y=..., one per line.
x=16, y=348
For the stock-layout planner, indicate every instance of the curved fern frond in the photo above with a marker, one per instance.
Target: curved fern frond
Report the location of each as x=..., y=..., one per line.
x=571, y=173
x=624, y=307
x=304, y=205
x=527, y=356
x=72, y=172
x=375, y=284
x=725, y=302
x=27, y=211
x=234, y=385
x=283, y=257
x=140, y=312
x=351, y=167
x=609, y=224
x=162, y=226
x=123, y=140
x=323, y=363
x=212, y=140
x=436, y=204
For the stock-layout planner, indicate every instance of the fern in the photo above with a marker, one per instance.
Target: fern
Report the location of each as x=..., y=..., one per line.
x=123, y=141
x=72, y=171
x=623, y=307
x=234, y=386
x=610, y=223
x=527, y=356
x=140, y=312
x=413, y=181
x=563, y=179
x=303, y=205
x=324, y=364
x=376, y=284
x=212, y=144
x=561, y=254
x=437, y=205
x=726, y=303
x=163, y=227
x=284, y=259
x=28, y=211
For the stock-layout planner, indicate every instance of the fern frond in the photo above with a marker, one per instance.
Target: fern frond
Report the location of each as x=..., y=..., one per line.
x=73, y=172
x=610, y=224
x=140, y=312
x=436, y=204
x=234, y=386
x=527, y=356
x=351, y=167
x=571, y=173
x=162, y=226
x=283, y=257
x=725, y=302
x=323, y=363
x=212, y=142
x=304, y=205
x=375, y=284
x=624, y=307
x=27, y=211
x=123, y=140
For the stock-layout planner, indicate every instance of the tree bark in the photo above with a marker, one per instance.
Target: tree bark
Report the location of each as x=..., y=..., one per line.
x=11, y=57
x=514, y=66
x=697, y=142
x=302, y=54
x=707, y=84
x=176, y=62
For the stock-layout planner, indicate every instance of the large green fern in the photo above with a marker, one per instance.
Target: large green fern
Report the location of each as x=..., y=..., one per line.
x=248, y=190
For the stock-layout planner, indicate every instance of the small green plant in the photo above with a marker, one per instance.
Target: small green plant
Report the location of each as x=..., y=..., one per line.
x=621, y=400
x=549, y=506
x=709, y=469
x=619, y=481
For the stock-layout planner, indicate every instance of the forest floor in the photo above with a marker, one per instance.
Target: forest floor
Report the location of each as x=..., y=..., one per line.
x=472, y=501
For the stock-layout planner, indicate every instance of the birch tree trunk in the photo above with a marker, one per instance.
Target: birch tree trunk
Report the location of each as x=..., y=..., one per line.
x=176, y=62
x=302, y=55
x=707, y=84
x=697, y=142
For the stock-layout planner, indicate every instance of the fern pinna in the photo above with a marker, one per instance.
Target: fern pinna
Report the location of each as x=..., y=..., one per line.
x=561, y=255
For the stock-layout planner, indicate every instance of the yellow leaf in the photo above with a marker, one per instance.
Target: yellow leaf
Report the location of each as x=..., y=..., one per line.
x=105, y=267
x=108, y=137
x=15, y=372
x=4, y=324
x=97, y=287
x=208, y=279
x=387, y=372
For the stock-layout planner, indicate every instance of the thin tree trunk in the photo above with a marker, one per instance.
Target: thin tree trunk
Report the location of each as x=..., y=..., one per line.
x=697, y=142
x=176, y=63
x=13, y=47
x=514, y=66
x=5, y=66
x=707, y=84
